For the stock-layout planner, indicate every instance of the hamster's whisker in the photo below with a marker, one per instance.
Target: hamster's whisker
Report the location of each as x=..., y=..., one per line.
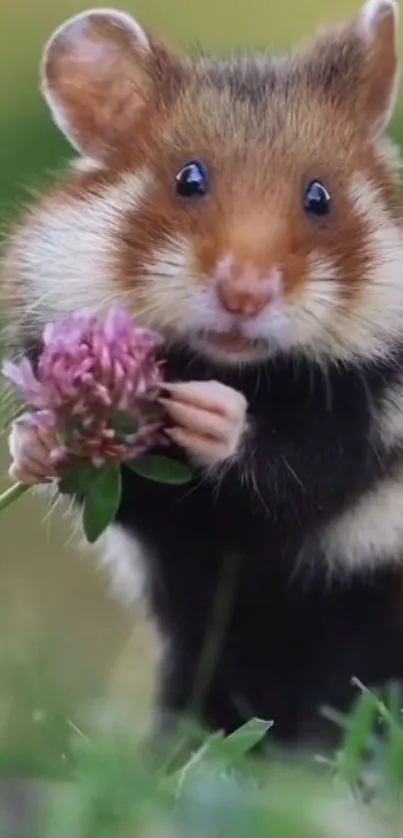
x=353, y=316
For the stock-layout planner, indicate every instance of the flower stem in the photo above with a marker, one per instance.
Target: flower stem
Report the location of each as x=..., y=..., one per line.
x=11, y=494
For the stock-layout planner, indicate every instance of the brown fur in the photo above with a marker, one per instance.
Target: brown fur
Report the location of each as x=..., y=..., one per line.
x=263, y=125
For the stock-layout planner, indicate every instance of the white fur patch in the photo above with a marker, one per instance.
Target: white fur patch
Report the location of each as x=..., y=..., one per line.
x=311, y=314
x=378, y=313
x=371, y=531
x=167, y=281
x=67, y=255
x=87, y=164
x=389, y=422
x=328, y=325
x=122, y=556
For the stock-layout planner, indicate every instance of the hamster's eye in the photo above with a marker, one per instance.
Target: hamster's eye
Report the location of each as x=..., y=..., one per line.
x=192, y=180
x=317, y=199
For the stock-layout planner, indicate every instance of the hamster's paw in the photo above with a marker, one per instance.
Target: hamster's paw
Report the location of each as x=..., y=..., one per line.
x=31, y=448
x=210, y=419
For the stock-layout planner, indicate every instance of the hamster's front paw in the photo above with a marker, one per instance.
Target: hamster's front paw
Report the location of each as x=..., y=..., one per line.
x=210, y=419
x=31, y=448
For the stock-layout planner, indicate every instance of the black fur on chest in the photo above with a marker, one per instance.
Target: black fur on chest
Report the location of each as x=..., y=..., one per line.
x=292, y=641
x=310, y=453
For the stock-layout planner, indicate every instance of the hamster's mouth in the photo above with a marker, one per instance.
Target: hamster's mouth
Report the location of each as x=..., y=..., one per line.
x=232, y=341
x=231, y=346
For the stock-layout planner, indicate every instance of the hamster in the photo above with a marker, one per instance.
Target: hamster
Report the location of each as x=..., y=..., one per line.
x=248, y=208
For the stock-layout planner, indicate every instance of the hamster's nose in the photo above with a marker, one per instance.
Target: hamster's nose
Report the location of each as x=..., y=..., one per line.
x=248, y=294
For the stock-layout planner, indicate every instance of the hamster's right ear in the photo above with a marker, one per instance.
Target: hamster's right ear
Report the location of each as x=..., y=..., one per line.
x=100, y=73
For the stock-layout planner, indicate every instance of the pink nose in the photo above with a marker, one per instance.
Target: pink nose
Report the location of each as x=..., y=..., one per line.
x=245, y=296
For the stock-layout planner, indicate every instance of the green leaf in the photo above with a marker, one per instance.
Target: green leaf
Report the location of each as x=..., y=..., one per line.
x=223, y=752
x=394, y=738
x=357, y=736
x=101, y=502
x=243, y=740
x=78, y=479
x=123, y=422
x=161, y=469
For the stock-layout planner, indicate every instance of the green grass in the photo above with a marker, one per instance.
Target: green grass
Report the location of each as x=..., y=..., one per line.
x=107, y=785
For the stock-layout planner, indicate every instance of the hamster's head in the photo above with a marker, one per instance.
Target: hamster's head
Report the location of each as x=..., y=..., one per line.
x=243, y=207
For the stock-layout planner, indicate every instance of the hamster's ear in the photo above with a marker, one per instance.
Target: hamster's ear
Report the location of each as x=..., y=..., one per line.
x=100, y=70
x=377, y=25
x=356, y=64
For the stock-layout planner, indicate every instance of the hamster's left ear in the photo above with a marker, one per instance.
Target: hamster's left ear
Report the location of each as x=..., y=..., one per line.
x=356, y=64
x=377, y=24
x=102, y=77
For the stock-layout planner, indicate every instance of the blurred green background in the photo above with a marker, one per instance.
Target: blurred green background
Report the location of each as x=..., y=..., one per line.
x=49, y=594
